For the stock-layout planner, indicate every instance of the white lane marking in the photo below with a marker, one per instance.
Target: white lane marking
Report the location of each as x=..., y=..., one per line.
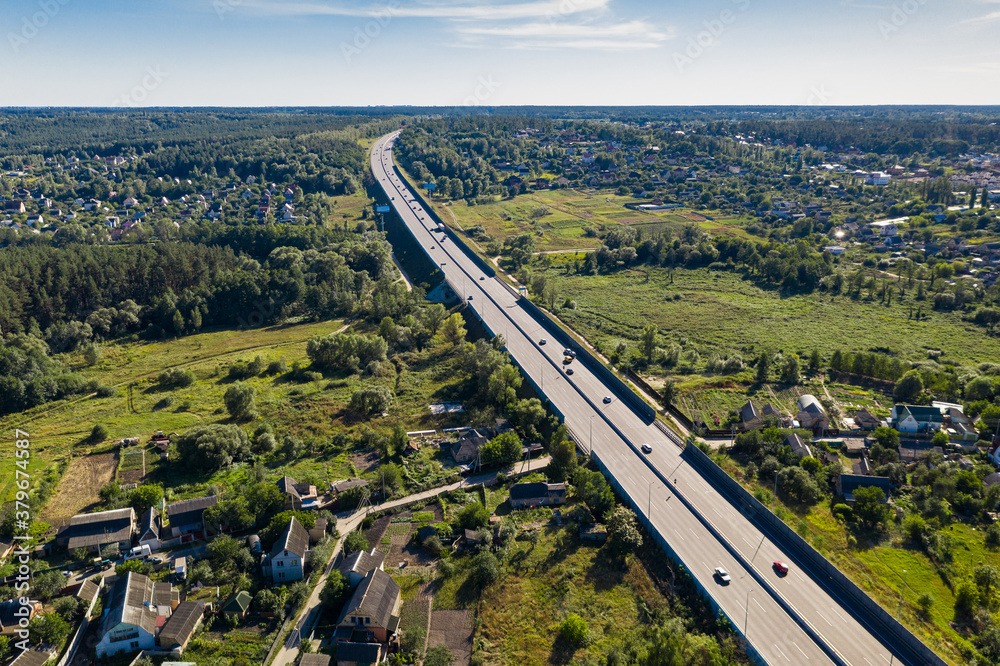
x=692, y=533
x=884, y=659
x=781, y=653
x=838, y=614
x=825, y=618
x=800, y=650
x=869, y=663
x=759, y=606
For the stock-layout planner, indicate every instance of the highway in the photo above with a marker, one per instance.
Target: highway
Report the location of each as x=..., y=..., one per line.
x=761, y=605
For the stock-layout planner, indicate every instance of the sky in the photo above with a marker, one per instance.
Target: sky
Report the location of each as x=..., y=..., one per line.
x=135, y=53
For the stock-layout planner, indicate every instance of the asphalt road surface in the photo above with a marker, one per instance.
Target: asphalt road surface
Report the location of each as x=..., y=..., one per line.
x=751, y=599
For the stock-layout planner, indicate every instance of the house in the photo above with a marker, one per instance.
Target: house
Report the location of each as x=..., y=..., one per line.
x=318, y=531
x=524, y=495
x=373, y=610
x=798, y=447
x=181, y=625
x=357, y=567
x=14, y=207
x=342, y=486
x=750, y=418
x=957, y=424
x=286, y=561
x=132, y=607
x=96, y=530
x=474, y=538
x=358, y=654
x=916, y=419
x=297, y=494
x=877, y=178
x=237, y=605
x=811, y=414
x=770, y=410
x=866, y=420
x=88, y=592
x=149, y=529
x=992, y=479
x=187, y=517
x=466, y=449
x=848, y=483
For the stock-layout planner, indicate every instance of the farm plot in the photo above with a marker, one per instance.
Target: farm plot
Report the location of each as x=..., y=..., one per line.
x=79, y=487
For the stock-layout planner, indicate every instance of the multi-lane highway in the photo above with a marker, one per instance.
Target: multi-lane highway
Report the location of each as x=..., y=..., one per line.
x=786, y=619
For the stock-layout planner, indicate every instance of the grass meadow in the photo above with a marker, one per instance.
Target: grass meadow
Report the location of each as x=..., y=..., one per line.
x=315, y=409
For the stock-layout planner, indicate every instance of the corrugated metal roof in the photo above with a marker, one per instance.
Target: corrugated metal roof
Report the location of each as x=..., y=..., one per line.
x=130, y=603
x=181, y=624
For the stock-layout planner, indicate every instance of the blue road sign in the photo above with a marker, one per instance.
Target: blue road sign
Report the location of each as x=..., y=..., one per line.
x=430, y=186
x=382, y=209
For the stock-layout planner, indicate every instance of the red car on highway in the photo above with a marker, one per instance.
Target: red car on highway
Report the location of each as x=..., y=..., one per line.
x=781, y=568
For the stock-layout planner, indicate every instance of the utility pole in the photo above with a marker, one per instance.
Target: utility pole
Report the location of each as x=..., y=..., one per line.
x=649, y=502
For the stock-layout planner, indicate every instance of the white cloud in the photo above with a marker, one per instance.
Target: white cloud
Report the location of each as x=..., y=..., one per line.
x=538, y=24
x=992, y=17
x=462, y=10
x=630, y=35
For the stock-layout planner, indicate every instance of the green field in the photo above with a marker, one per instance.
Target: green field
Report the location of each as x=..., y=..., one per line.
x=569, y=219
x=719, y=311
x=314, y=409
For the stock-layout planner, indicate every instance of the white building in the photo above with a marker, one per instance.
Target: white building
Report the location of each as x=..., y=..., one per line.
x=132, y=606
x=877, y=178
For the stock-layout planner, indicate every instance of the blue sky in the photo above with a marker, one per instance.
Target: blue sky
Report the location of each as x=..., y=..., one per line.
x=498, y=52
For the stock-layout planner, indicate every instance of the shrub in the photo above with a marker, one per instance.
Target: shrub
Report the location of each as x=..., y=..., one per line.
x=574, y=630
x=99, y=433
x=473, y=516
x=276, y=368
x=355, y=542
x=926, y=602
x=439, y=656
x=993, y=536
x=175, y=378
x=241, y=402
x=371, y=400
x=485, y=569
